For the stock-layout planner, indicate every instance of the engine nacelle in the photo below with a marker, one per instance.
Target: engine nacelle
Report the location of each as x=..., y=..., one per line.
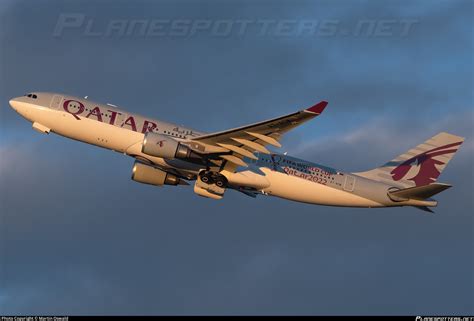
x=150, y=175
x=166, y=147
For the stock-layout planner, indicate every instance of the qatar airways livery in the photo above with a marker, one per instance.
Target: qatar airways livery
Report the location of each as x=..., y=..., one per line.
x=238, y=158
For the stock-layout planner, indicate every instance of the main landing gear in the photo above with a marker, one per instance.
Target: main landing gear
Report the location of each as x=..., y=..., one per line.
x=210, y=178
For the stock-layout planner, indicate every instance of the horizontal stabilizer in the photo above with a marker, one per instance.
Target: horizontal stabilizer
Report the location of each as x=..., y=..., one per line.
x=424, y=208
x=418, y=193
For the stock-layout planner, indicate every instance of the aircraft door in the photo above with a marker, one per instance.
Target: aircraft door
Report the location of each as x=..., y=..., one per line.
x=56, y=102
x=349, y=183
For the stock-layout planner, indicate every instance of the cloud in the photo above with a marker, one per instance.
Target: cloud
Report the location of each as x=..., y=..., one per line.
x=78, y=236
x=380, y=139
x=124, y=241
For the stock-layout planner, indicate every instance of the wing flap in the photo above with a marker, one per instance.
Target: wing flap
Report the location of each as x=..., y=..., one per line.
x=252, y=145
x=267, y=139
x=234, y=159
x=244, y=141
x=238, y=150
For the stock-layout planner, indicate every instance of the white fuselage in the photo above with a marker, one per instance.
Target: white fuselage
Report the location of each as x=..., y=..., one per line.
x=109, y=127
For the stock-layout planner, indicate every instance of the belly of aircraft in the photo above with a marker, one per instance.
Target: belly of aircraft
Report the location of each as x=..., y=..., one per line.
x=301, y=190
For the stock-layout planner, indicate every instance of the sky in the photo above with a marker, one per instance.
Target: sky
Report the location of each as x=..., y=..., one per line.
x=78, y=236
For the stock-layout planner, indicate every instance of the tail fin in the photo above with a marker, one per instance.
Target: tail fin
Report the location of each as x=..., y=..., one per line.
x=420, y=165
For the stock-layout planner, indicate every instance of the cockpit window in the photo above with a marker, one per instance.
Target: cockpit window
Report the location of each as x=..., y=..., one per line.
x=32, y=96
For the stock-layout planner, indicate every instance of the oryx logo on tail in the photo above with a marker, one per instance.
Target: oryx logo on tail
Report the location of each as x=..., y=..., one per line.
x=426, y=163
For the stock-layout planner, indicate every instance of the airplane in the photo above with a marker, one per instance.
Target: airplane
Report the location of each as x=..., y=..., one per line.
x=238, y=158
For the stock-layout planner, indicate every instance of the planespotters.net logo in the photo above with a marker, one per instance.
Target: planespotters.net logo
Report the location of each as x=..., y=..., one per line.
x=420, y=318
x=145, y=27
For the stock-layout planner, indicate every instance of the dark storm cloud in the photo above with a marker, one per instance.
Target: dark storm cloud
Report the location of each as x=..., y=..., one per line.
x=78, y=236
x=238, y=70
x=369, y=146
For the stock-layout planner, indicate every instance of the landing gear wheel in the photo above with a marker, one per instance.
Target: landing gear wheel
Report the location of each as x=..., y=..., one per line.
x=207, y=178
x=221, y=181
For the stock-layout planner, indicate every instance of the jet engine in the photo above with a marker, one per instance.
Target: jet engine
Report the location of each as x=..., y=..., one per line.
x=146, y=174
x=166, y=147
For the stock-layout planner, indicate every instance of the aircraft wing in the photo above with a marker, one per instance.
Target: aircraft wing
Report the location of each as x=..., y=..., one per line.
x=234, y=144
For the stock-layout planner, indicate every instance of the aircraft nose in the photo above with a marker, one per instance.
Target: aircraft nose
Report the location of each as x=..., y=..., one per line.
x=14, y=103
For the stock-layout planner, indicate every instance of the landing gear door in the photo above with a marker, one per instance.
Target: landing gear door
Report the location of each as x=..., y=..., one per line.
x=56, y=102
